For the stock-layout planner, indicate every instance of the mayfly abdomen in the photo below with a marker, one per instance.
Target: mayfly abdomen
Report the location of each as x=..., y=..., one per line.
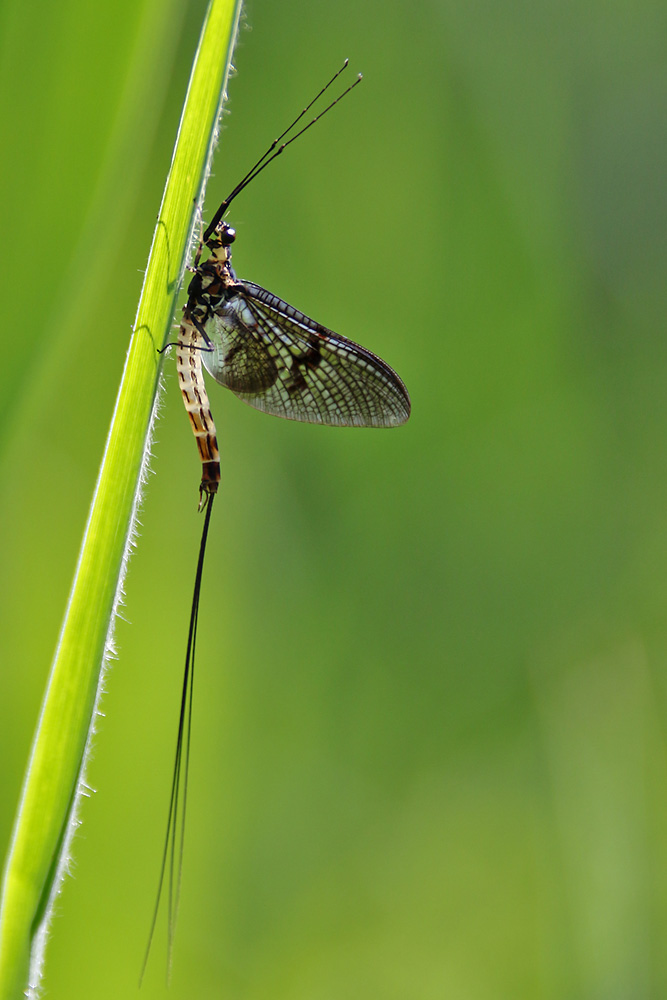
x=195, y=398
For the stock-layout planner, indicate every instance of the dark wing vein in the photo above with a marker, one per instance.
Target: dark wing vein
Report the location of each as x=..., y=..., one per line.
x=279, y=360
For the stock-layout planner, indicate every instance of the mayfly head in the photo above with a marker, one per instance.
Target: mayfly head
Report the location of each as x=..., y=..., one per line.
x=221, y=238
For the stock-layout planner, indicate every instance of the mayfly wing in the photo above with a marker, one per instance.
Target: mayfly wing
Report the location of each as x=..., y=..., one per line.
x=280, y=361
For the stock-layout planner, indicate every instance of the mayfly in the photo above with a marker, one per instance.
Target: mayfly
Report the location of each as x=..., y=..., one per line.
x=278, y=360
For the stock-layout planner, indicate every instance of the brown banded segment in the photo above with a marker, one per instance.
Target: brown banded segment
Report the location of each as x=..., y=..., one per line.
x=195, y=398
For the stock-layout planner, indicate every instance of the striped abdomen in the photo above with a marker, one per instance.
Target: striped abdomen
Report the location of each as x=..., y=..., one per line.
x=191, y=381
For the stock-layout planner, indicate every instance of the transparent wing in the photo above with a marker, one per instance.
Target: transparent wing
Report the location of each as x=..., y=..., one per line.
x=278, y=360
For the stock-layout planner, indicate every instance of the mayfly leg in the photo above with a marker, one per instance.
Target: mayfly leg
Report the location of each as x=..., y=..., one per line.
x=191, y=381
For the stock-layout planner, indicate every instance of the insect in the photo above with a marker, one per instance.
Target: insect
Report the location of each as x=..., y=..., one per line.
x=278, y=360
x=267, y=352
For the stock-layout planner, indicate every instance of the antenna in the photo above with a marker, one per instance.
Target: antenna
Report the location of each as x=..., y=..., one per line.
x=272, y=152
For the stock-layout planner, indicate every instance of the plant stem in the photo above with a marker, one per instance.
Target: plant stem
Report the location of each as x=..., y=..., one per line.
x=47, y=814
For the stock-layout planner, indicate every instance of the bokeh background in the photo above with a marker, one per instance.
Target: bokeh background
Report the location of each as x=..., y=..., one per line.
x=429, y=752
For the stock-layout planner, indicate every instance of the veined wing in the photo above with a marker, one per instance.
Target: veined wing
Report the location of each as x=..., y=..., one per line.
x=278, y=360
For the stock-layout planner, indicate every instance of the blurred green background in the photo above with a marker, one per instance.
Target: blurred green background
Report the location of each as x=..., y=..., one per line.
x=429, y=753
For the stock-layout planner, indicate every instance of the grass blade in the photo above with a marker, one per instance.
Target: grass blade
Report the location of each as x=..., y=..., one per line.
x=53, y=783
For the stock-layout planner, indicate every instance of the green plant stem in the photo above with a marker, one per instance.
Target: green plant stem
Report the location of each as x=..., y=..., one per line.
x=46, y=816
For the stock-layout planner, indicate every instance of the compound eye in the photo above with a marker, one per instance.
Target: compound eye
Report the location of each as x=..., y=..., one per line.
x=227, y=236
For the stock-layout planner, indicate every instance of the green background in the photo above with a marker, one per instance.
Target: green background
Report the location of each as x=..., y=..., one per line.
x=429, y=752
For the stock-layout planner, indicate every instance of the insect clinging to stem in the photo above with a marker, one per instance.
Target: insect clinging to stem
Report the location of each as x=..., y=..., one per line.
x=277, y=359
